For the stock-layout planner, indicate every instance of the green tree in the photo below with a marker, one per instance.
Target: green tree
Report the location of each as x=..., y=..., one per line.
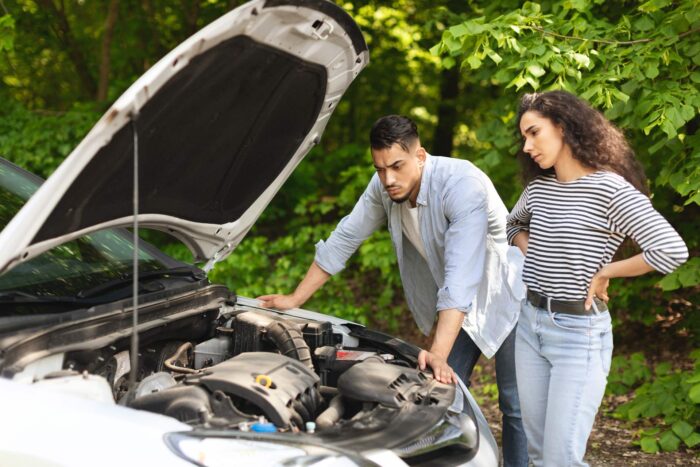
x=637, y=61
x=62, y=63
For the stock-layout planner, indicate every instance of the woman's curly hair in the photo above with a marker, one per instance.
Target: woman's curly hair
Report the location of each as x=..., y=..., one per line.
x=593, y=139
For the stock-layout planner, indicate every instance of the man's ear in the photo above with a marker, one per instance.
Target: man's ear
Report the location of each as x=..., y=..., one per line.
x=422, y=155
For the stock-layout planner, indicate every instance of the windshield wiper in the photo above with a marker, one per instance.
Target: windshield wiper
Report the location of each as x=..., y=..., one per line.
x=126, y=280
x=92, y=295
x=17, y=296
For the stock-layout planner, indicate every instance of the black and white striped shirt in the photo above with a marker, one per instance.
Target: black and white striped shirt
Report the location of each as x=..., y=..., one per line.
x=576, y=227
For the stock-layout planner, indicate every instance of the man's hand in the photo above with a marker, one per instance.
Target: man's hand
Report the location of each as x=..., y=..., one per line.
x=448, y=326
x=441, y=370
x=279, y=302
x=598, y=288
x=315, y=277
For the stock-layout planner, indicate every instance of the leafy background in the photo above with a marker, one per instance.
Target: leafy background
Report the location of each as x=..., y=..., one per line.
x=458, y=69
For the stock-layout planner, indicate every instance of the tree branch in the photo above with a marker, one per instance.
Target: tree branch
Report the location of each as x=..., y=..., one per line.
x=76, y=56
x=604, y=41
x=191, y=15
x=105, y=61
x=443, y=138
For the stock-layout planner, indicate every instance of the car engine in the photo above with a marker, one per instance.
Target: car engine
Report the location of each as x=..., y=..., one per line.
x=223, y=364
x=262, y=369
x=239, y=390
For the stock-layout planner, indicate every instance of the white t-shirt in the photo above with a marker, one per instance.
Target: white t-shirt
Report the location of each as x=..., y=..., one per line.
x=411, y=227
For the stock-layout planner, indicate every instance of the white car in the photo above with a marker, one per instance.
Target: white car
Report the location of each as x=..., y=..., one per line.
x=198, y=375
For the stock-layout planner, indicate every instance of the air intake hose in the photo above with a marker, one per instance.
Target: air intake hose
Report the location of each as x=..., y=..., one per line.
x=290, y=342
x=288, y=339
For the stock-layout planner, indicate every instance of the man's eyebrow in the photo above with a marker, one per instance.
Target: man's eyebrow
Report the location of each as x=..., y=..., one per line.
x=393, y=164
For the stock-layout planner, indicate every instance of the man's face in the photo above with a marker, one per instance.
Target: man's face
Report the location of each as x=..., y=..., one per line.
x=400, y=170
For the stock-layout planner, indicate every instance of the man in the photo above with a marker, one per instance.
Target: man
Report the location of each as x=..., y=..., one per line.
x=447, y=225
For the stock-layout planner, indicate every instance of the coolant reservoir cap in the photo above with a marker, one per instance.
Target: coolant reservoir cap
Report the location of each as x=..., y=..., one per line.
x=263, y=427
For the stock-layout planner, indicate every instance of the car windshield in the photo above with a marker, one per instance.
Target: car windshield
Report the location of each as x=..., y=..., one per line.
x=74, y=266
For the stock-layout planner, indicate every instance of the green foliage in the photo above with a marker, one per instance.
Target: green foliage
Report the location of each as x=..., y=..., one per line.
x=7, y=33
x=39, y=141
x=627, y=373
x=56, y=53
x=685, y=276
x=670, y=396
x=368, y=289
x=484, y=387
x=638, y=62
x=640, y=65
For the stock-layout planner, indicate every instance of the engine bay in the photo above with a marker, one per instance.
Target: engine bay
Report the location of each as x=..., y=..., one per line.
x=241, y=368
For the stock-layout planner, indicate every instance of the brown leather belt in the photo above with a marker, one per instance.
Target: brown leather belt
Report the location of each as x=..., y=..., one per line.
x=569, y=307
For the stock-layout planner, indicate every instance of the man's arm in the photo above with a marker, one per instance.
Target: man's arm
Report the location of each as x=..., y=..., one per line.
x=448, y=326
x=313, y=280
x=366, y=217
x=466, y=208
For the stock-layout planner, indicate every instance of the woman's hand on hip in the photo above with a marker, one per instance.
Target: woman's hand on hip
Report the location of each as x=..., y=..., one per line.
x=598, y=288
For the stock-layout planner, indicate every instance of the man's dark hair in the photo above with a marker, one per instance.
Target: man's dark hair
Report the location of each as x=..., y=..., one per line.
x=393, y=129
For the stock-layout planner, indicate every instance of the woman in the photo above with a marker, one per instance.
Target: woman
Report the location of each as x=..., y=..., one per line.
x=585, y=193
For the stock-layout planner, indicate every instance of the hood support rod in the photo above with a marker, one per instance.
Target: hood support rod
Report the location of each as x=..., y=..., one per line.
x=135, y=306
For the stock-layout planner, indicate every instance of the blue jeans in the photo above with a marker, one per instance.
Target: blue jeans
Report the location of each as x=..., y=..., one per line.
x=462, y=359
x=562, y=364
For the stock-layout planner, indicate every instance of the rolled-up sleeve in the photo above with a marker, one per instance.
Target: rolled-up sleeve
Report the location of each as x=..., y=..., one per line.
x=366, y=217
x=466, y=208
x=632, y=214
x=519, y=218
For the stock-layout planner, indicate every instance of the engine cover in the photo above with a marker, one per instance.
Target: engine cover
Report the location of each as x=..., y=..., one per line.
x=392, y=386
x=284, y=389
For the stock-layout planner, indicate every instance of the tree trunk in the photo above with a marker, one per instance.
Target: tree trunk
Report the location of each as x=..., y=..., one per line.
x=149, y=35
x=191, y=16
x=65, y=36
x=235, y=3
x=105, y=61
x=443, y=139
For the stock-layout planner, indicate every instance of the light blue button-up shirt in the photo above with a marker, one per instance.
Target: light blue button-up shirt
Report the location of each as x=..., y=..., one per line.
x=460, y=216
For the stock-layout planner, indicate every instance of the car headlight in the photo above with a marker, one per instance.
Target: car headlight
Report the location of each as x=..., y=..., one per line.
x=208, y=450
x=458, y=428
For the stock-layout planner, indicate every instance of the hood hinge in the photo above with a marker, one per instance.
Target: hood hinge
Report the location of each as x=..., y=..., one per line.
x=215, y=259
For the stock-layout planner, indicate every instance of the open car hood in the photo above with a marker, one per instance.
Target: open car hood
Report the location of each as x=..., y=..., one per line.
x=219, y=124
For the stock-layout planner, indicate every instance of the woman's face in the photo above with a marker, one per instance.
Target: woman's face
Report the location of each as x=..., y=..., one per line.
x=544, y=141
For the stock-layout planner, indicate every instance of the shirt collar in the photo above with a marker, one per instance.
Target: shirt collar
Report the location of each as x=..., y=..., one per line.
x=422, y=198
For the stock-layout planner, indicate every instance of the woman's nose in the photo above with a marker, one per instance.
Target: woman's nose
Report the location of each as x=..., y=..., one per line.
x=527, y=147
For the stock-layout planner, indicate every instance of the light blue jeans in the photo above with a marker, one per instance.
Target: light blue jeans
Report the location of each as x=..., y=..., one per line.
x=562, y=363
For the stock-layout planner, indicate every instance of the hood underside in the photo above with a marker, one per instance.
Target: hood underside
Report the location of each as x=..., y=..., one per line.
x=217, y=125
x=203, y=155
